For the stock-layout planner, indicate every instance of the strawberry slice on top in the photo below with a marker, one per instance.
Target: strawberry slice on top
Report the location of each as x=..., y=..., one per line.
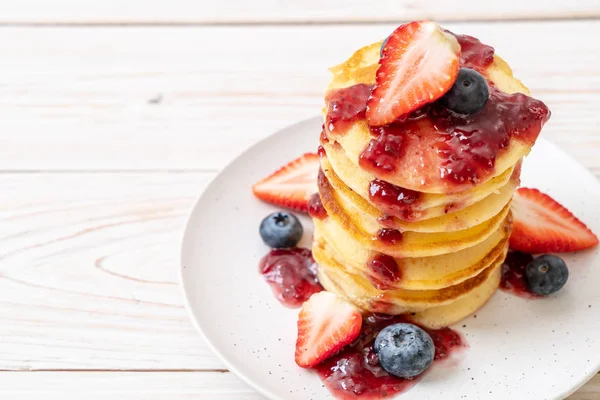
x=418, y=65
x=292, y=185
x=326, y=324
x=542, y=225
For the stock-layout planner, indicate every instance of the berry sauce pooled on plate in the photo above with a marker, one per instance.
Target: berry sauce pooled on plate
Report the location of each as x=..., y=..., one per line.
x=356, y=373
x=434, y=119
x=292, y=274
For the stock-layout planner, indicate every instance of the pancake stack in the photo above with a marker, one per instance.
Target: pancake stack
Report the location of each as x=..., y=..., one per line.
x=418, y=217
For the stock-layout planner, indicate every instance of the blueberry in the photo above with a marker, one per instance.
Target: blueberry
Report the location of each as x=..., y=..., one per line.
x=469, y=93
x=546, y=274
x=404, y=350
x=281, y=229
x=382, y=46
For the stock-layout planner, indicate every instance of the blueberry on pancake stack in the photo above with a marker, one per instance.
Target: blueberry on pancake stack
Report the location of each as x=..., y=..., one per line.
x=420, y=155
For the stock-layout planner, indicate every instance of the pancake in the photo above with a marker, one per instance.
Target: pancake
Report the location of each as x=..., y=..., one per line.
x=419, y=167
x=361, y=293
x=411, y=244
x=442, y=316
x=428, y=205
x=370, y=218
x=422, y=273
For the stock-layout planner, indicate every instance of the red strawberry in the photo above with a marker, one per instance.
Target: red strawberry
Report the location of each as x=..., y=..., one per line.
x=325, y=325
x=291, y=185
x=419, y=64
x=541, y=225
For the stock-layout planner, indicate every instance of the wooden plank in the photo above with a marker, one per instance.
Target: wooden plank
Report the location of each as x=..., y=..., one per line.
x=172, y=98
x=89, y=272
x=154, y=385
x=273, y=11
x=590, y=391
x=130, y=385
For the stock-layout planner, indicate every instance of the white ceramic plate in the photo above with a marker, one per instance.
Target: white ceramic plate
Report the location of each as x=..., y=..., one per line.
x=518, y=349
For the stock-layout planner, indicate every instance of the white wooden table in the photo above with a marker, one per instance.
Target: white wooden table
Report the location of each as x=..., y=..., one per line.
x=115, y=114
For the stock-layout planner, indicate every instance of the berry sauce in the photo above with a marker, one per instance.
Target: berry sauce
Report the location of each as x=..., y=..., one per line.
x=393, y=199
x=473, y=53
x=321, y=151
x=389, y=236
x=315, y=207
x=463, y=148
x=471, y=143
x=345, y=106
x=355, y=373
x=384, y=271
x=513, y=275
x=292, y=275
x=384, y=150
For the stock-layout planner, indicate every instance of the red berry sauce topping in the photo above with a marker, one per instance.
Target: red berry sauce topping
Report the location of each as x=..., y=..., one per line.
x=473, y=53
x=513, y=275
x=393, y=199
x=468, y=145
x=355, y=373
x=292, y=274
x=384, y=271
x=321, y=151
x=383, y=152
x=345, y=106
x=390, y=236
x=315, y=207
x=471, y=143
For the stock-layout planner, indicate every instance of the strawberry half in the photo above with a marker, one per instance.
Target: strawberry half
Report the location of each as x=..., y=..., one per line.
x=326, y=324
x=541, y=225
x=418, y=65
x=292, y=185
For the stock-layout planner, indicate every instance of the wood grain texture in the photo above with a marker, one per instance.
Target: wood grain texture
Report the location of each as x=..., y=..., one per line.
x=154, y=385
x=274, y=11
x=126, y=385
x=590, y=391
x=89, y=272
x=172, y=98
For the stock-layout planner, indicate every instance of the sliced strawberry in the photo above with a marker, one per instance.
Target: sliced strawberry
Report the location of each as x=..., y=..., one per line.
x=291, y=185
x=326, y=324
x=418, y=65
x=541, y=225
